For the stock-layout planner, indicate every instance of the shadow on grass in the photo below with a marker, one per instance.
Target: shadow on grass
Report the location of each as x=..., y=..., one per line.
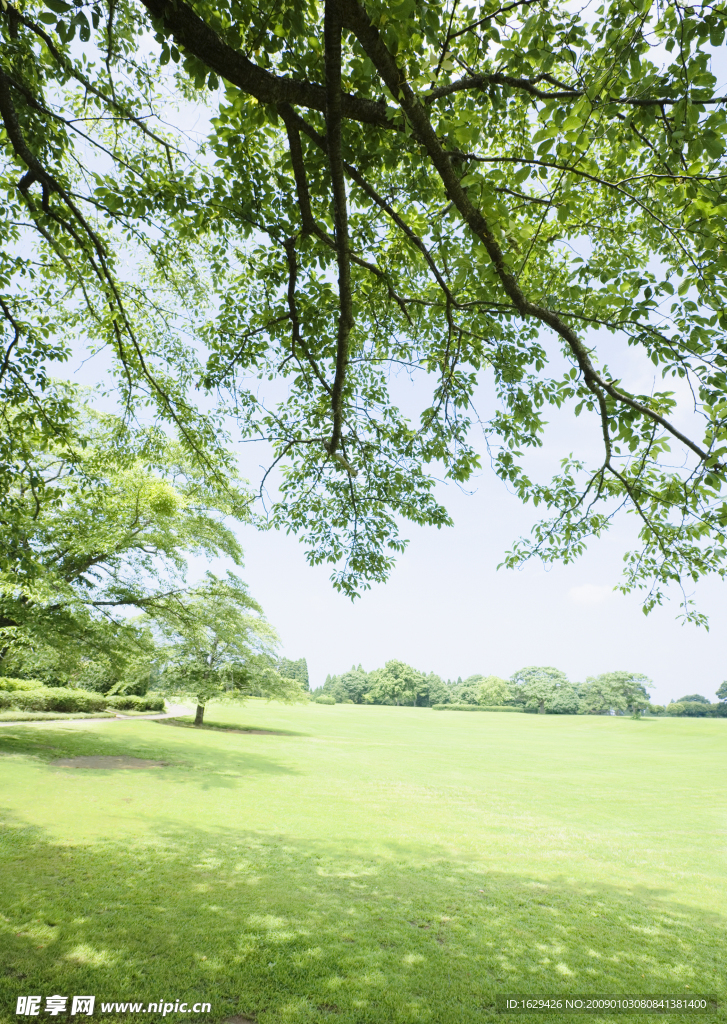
x=293, y=933
x=205, y=758
x=187, y=722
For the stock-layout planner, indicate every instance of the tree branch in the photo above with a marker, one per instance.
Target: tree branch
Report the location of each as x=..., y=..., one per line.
x=334, y=111
x=357, y=20
x=195, y=35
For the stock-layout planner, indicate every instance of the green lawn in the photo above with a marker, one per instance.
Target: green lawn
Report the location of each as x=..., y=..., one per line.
x=366, y=864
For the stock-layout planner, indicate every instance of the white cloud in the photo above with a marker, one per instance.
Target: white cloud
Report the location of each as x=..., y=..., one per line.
x=589, y=593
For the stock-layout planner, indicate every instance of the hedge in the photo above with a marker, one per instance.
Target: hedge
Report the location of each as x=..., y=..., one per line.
x=474, y=707
x=55, y=698
x=130, y=702
x=325, y=700
x=10, y=684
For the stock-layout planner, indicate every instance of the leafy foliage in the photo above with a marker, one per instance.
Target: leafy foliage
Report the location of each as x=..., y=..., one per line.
x=494, y=691
x=294, y=670
x=463, y=193
x=615, y=691
x=100, y=522
x=218, y=646
x=544, y=689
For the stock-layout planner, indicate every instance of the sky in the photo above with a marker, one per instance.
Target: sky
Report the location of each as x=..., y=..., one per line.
x=447, y=609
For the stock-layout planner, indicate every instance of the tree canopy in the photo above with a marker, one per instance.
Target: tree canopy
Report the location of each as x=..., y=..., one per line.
x=219, y=647
x=509, y=193
x=615, y=691
x=97, y=523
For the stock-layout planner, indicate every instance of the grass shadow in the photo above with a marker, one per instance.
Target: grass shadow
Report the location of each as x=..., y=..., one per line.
x=289, y=932
x=187, y=722
x=187, y=762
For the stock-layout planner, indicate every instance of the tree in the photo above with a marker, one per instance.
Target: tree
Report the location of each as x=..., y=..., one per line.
x=436, y=690
x=541, y=687
x=694, y=698
x=689, y=708
x=722, y=691
x=478, y=191
x=97, y=522
x=494, y=691
x=565, y=701
x=615, y=691
x=219, y=646
x=352, y=685
x=395, y=683
x=467, y=692
x=294, y=670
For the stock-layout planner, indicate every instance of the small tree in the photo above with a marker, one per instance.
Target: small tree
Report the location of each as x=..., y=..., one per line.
x=395, y=683
x=615, y=691
x=494, y=691
x=538, y=686
x=219, y=647
x=467, y=692
x=434, y=691
x=722, y=691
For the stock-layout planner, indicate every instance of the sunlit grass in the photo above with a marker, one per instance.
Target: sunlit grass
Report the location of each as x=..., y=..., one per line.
x=366, y=864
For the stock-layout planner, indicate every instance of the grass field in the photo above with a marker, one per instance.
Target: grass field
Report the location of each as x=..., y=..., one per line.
x=366, y=864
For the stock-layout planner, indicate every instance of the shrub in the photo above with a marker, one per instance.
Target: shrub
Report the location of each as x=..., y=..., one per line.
x=325, y=700
x=475, y=707
x=6, y=699
x=152, y=702
x=57, y=698
x=131, y=702
x=10, y=684
x=124, y=702
x=675, y=709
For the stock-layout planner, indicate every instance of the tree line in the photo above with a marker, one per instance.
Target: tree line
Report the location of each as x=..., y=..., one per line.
x=540, y=689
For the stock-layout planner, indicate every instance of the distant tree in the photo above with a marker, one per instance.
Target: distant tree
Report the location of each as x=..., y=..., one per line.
x=395, y=683
x=615, y=691
x=695, y=708
x=694, y=698
x=297, y=670
x=436, y=690
x=565, y=701
x=538, y=686
x=467, y=692
x=722, y=691
x=218, y=646
x=675, y=708
x=494, y=691
x=352, y=685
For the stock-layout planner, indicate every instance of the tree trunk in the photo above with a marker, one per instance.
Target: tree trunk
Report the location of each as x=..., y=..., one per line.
x=199, y=715
x=541, y=709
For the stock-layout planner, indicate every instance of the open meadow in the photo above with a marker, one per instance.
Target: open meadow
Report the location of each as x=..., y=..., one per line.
x=366, y=864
